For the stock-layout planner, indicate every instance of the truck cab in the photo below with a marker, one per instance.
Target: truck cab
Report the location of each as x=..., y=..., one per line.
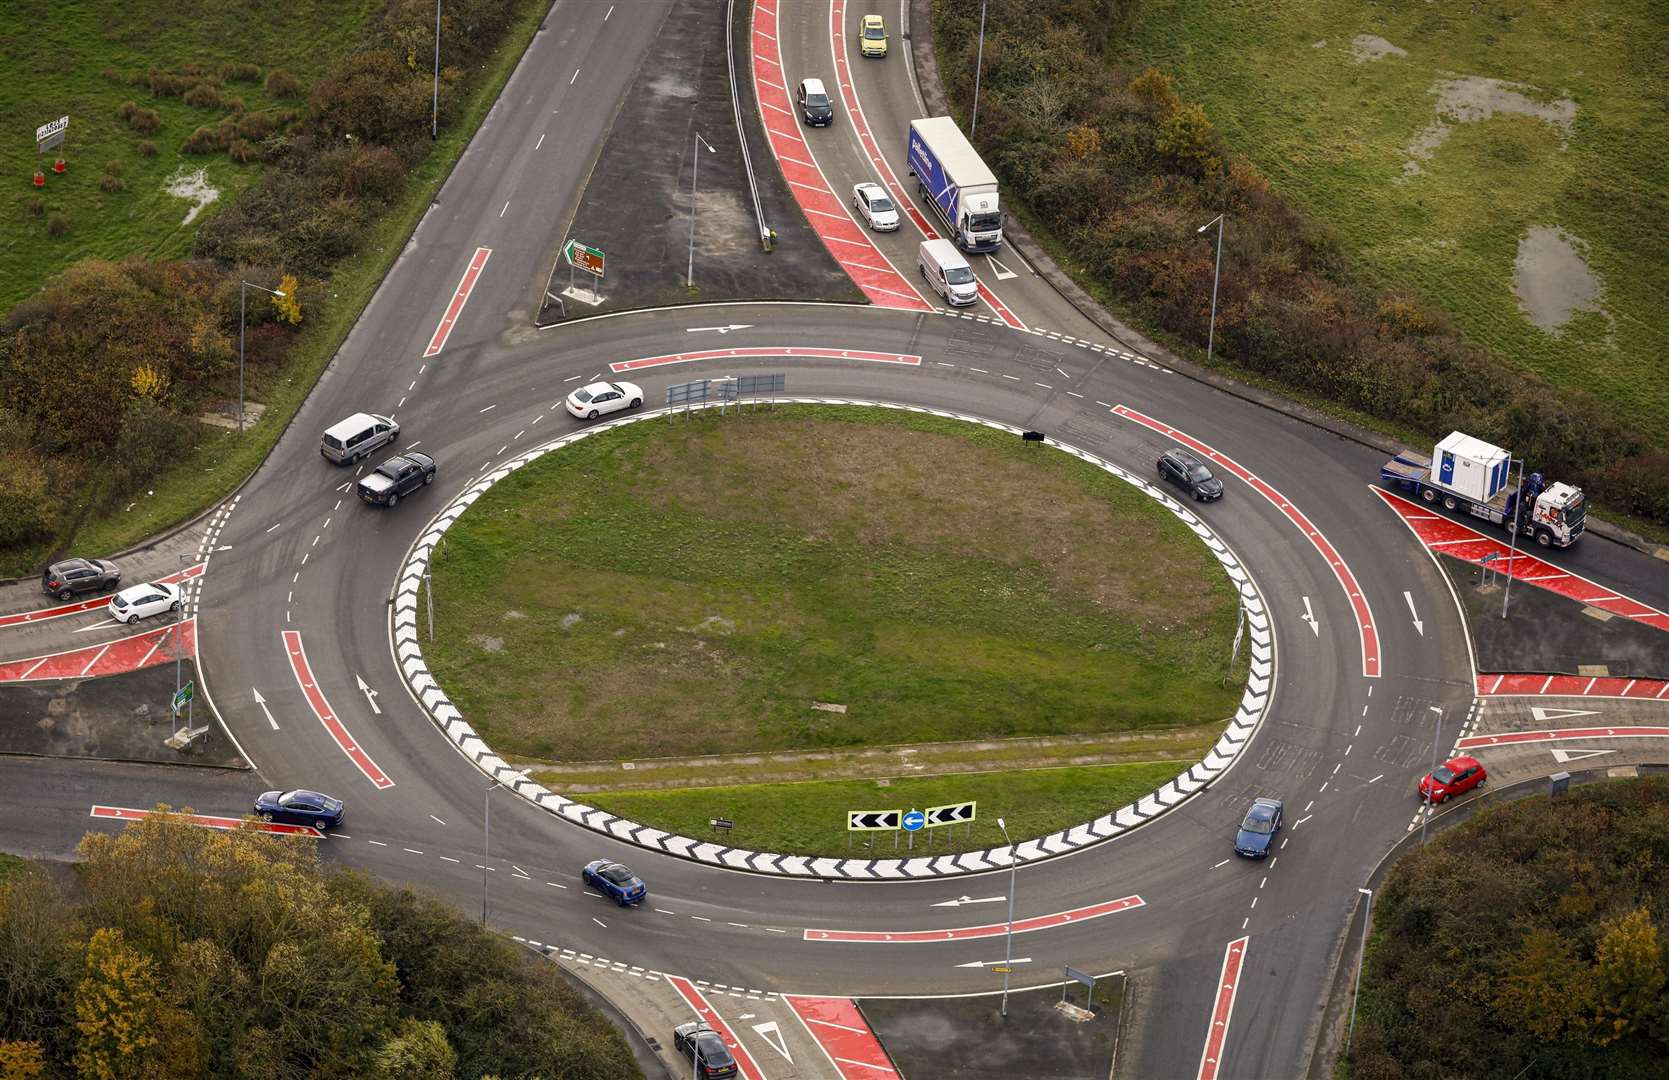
x=1558, y=515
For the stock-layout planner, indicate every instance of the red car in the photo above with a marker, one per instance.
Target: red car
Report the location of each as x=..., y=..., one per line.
x=1454, y=777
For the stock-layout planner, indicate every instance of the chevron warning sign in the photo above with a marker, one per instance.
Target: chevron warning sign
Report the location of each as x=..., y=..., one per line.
x=873, y=820
x=951, y=814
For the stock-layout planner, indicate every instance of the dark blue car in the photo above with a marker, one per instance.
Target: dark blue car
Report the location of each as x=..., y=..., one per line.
x=1258, y=831
x=299, y=807
x=614, y=881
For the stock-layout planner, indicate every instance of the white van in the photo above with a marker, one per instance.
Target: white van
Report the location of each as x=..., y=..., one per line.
x=351, y=439
x=948, y=272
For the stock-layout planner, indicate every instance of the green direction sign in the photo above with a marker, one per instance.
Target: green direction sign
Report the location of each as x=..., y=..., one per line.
x=183, y=695
x=587, y=258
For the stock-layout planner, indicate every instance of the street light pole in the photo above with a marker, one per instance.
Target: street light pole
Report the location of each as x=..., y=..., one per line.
x=434, y=114
x=243, y=288
x=695, y=174
x=979, y=63
x=1361, y=958
x=1008, y=948
x=179, y=650
x=1211, y=334
x=1436, y=727
x=1518, y=516
x=486, y=843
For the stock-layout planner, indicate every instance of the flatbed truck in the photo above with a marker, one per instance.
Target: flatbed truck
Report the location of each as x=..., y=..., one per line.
x=1470, y=475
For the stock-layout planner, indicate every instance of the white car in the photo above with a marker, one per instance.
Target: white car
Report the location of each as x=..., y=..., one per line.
x=590, y=402
x=139, y=601
x=876, y=206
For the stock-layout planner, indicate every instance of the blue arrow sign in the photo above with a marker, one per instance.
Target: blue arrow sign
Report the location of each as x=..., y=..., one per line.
x=914, y=820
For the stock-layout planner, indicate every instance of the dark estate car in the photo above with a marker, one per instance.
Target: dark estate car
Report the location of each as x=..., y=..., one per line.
x=1454, y=777
x=614, y=881
x=400, y=475
x=1190, y=474
x=816, y=110
x=299, y=807
x=65, y=579
x=1258, y=831
x=705, y=1048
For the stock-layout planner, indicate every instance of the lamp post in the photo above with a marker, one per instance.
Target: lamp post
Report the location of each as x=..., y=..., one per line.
x=1008, y=948
x=434, y=113
x=486, y=842
x=695, y=174
x=979, y=63
x=1518, y=516
x=179, y=648
x=1361, y=958
x=1436, y=726
x=243, y=290
x=1211, y=334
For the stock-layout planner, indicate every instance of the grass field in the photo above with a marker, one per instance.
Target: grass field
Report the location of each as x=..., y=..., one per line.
x=54, y=56
x=810, y=819
x=9, y=865
x=1289, y=86
x=694, y=587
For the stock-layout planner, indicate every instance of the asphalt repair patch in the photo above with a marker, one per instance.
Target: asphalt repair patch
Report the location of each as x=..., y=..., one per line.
x=114, y=718
x=966, y=1038
x=1549, y=633
x=637, y=202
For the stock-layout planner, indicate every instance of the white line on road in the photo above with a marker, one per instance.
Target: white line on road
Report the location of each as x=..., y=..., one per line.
x=275, y=525
x=1381, y=776
x=575, y=78
x=436, y=820
x=489, y=408
x=599, y=922
x=540, y=143
x=379, y=843
x=506, y=207
x=448, y=858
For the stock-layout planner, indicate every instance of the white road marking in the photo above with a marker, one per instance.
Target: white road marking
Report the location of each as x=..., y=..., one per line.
x=436, y=820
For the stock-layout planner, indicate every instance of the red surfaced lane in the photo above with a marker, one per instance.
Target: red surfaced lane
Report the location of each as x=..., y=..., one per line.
x=1513, y=738
x=460, y=296
x=206, y=821
x=785, y=352
x=97, y=603
x=963, y=933
x=1540, y=685
x=142, y=650
x=1228, y=984
x=1448, y=537
x=1366, y=631
x=704, y=1009
x=321, y=708
x=840, y=1029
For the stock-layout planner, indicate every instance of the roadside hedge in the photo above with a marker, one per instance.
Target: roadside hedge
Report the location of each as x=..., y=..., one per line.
x=1122, y=172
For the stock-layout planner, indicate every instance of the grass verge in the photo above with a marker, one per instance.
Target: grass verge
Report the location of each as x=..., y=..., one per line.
x=10, y=864
x=660, y=591
x=810, y=818
x=222, y=460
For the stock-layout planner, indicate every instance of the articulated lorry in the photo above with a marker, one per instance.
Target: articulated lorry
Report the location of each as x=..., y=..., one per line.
x=1469, y=474
x=955, y=183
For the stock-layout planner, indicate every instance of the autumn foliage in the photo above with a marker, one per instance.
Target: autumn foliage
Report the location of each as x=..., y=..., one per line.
x=195, y=953
x=1533, y=934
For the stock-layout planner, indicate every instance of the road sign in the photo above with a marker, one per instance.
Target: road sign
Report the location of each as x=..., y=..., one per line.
x=51, y=134
x=950, y=814
x=182, y=696
x=914, y=820
x=587, y=258
x=872, y=820
x=721, y=823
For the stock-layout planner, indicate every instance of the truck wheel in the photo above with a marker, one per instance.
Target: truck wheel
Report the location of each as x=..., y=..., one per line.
x=1448, y=502
x=1428, y=494
x=1544, y=537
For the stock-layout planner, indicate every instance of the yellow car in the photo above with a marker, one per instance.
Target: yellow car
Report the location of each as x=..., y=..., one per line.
x=872, y=36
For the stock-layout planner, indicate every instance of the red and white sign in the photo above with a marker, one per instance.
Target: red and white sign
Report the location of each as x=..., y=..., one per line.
x=321, y=708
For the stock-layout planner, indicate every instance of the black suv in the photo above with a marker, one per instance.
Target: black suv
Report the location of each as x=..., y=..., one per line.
x=1190, y=474
x=815, y=107
x=400, y=475
x=65, y=579
x=706, y=1050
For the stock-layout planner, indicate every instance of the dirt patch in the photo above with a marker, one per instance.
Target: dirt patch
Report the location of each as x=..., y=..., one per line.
x=194, y=187
x=1552, y=278
x=489, y=644
x=1468, y=99
x=1366, y=48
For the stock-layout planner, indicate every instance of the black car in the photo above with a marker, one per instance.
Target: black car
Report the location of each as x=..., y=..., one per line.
x=1257, y=831
x=705, y=1048
x=65, y=579
x=400, y=475
x=1190, y=474
x=815, y=108
x=299, y=807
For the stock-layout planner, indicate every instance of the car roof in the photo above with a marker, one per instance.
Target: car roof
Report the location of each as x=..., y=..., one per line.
x=1182, y=455
x=813, y=86
x=353, y=425
x=143, y=587
x=1462, y=762
x=873, y=20
x=870, y=185
x=72, y=564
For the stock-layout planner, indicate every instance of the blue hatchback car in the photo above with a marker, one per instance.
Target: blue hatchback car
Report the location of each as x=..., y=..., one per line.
x=299, y=807
x=614, y=881
x=1258, y=831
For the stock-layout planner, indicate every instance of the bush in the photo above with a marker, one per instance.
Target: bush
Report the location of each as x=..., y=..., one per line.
x=242, y=151
x=37, y=206
x=166, y=84
x=145, y=148
x=144, y=121
x=57, y=225
x=282, y=84
x=203, y=96
x=205, y=140
x=28, y=508
x=111, y=184
x=236, y=72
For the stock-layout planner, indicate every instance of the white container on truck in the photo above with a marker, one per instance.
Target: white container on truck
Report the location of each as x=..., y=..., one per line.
x=954, y=181
x=1469, y=474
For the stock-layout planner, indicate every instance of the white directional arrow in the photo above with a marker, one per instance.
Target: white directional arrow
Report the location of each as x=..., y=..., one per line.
x=1563, y=756
x=1544, y=715
x=995, y=963
x=720, y=329
x=773, y=1035
x=960, y=900
x=224, y=547
x=1419, y=627
x=1003, y=273
x=370, y=695
x=1309, y=617
x=262, y=702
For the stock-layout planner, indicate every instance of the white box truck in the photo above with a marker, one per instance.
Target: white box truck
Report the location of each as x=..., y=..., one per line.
x=1469, y=474
x=954, y=181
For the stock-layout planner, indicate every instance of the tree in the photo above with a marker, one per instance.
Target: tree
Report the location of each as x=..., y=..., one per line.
x=1546, y=990
x=1187, y=136
x=417, y=1050
x=127, y=1029
x=1629, y=977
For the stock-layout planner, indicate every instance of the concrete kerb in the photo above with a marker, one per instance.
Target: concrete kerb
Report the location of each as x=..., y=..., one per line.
x=407, y=653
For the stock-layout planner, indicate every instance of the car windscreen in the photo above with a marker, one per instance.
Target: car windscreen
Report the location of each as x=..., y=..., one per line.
x=1199, y=473
x=958, y=275
x=391, y=468
x=296, y=799
x=877, y=203
x=582, y=395
x=1443, y=775
x=817, y=101
x=874, y=33
x=1253, y=823
x=982, y=222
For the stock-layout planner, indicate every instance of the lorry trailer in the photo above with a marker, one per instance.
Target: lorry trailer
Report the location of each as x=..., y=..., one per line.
x=1469, y=474
x=956, y=183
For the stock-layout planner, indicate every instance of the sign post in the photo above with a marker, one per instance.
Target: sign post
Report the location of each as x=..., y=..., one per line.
x=873, y=821
x=913, y=822
x=584, y=257
x=47, y=136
